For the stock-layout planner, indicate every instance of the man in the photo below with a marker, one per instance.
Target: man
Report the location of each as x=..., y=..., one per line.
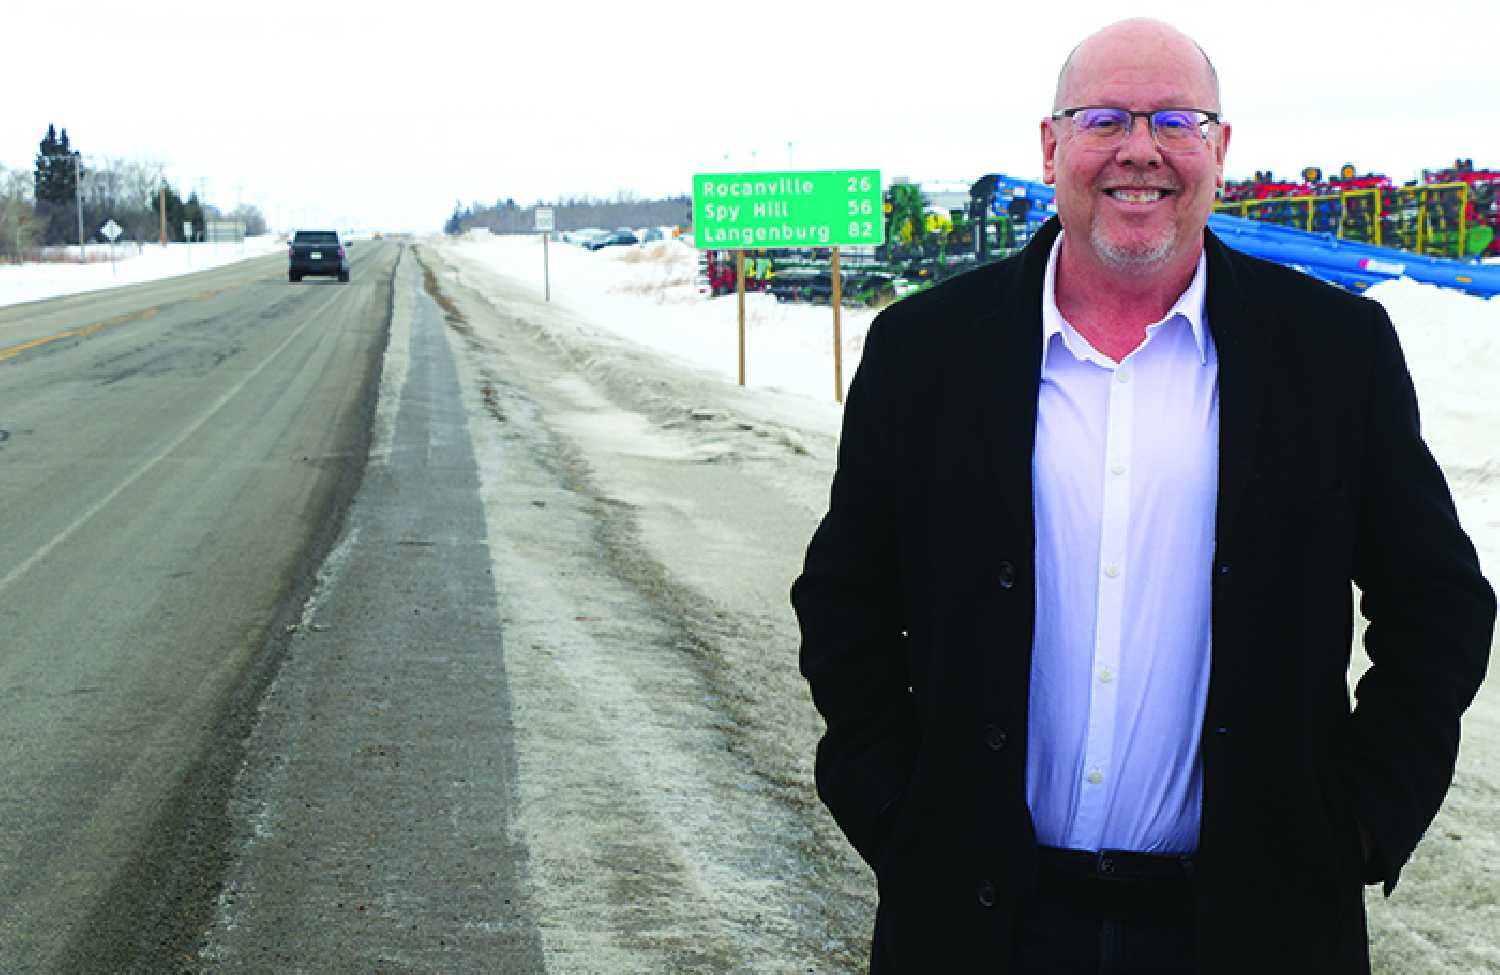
x=1079, y=615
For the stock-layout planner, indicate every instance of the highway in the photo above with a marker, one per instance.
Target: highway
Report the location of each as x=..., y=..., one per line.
x=175, y=459
x=385, y=627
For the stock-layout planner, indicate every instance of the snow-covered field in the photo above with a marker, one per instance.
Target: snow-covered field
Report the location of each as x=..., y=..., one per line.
x=131, y=265
x=648, y=295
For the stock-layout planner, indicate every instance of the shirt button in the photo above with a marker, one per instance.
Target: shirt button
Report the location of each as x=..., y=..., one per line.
x=1106, y=674
x=1112, y=570
x=1122, y=375
x=1117, y=470
x=995, y=738
x=986, y=893
x=1095, y=777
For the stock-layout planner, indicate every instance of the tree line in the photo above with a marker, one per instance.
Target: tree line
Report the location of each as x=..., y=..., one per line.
x=572, y=213
x=41, y=208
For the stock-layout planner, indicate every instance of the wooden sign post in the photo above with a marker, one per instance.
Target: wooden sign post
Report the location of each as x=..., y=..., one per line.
x=544, y=223
x=739, y=289
x=838, y=336
x=789, y=211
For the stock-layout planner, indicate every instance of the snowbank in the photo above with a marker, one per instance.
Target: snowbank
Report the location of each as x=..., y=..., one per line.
x=32, y=282
x=1452, y=345
x=649, y=294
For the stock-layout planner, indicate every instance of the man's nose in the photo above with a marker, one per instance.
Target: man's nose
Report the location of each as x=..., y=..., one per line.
x=1139, y=147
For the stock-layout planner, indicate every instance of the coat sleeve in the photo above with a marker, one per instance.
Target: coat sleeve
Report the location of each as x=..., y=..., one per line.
x=1431, y=617
x=849, y=605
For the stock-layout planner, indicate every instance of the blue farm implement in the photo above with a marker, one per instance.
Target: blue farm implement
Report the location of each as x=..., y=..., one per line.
x=1351, y=264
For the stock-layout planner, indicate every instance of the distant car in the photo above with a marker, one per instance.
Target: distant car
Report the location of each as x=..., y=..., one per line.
x=651, y=235
x=584, y=236
x=317, y=253
x=615, y=238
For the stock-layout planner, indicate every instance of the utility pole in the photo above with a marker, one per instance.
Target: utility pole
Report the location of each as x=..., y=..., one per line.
x=162, y=193
x=78, y=200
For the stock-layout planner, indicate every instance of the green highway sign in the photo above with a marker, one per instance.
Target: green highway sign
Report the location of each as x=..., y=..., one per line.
x=747, y=211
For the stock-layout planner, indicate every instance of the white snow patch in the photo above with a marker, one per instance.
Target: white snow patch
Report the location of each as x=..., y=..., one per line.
x=649, y=295
x=33, y=282
x=1452, y=346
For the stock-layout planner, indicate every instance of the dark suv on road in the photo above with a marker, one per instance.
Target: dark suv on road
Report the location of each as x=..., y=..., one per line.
x=317, y=253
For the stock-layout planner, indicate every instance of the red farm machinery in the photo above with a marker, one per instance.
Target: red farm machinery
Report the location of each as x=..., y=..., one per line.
x=1451, y=212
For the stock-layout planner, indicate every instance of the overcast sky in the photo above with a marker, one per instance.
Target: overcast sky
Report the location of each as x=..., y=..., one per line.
x=381, y=115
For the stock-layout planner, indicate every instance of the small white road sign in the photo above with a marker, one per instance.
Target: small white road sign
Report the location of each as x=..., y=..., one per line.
x=111, y=230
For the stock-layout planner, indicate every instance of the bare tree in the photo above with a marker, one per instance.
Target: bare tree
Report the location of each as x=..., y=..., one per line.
x=125, y=191
x=251, y=217
x=18, y=224
x=140, y=187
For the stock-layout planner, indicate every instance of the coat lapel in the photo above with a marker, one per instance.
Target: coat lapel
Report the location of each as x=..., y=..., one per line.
x=1009, y=366
x=1244, y=360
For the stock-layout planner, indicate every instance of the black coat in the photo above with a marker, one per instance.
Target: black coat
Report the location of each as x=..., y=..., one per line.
x=917, y=605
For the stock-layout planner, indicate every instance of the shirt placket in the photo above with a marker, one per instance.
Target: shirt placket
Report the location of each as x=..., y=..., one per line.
x=1098, y=769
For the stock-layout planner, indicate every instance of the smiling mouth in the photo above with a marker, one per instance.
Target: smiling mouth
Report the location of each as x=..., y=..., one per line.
x=1138, y=194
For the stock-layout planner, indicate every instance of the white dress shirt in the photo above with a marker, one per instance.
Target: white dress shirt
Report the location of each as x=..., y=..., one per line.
x=1125, y=491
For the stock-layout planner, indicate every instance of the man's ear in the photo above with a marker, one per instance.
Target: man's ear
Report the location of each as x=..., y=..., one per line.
x=1049, y=152
x=1222, y=150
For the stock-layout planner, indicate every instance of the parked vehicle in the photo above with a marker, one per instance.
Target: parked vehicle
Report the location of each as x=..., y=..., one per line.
x=585, y=236
x=616, y=238
x=317, y=253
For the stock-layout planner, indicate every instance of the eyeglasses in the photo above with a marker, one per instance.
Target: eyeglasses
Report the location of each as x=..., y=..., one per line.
x=1173, y=129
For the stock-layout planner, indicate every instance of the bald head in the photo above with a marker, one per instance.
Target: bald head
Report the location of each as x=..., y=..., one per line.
x=1150, y=41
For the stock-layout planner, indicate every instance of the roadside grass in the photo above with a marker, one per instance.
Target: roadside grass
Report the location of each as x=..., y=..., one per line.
x=673, y=279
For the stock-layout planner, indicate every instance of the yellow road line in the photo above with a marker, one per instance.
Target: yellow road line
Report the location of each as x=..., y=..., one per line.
x=82, y=331
x=178, y=441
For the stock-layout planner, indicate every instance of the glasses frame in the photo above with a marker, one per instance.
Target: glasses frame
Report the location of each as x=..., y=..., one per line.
x=1209, y=118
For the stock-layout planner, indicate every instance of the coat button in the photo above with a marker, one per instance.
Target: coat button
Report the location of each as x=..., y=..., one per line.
x=994, y=737
x=1007, y=575
x=986, y=894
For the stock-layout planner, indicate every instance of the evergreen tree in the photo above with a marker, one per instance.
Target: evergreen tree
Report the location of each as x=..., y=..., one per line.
x=56, y=186
x=176, y=213
x=56, y=172
x=192, y=211
x=455, y=224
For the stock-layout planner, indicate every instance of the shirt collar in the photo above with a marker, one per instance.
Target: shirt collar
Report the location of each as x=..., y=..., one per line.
x=1189, y=305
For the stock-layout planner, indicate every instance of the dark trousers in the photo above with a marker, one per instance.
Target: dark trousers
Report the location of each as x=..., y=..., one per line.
x=1107, y=914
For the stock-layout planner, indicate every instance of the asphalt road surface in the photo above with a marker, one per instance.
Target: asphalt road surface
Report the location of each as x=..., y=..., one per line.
x=372, y=819
x=399, y=626
x=174, y=461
